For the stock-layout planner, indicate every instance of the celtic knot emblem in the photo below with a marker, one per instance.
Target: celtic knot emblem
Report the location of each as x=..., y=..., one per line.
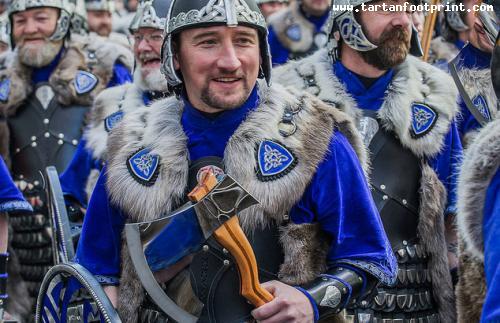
x=423, y=119
x=144, y=166
x=274, y=160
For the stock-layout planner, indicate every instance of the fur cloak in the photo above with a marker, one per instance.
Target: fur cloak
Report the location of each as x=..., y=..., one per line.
x=481, y=162
x=159, y=129
x=414, y=82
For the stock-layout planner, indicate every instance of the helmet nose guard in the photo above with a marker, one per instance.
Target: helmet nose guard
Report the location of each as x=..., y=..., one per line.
x=185, y=14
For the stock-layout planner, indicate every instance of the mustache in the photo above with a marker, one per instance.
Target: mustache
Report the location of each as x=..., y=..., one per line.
x=148, y=56
x=396, y=34
x=24, y=39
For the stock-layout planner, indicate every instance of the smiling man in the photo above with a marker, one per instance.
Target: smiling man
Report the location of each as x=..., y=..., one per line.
x=288, y=149
x=112, y=104
x=47, y=85
x=404, y=109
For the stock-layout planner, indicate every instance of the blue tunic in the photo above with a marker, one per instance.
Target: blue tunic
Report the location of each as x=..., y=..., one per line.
x=491, y=232
x=11, y=200
x=446, y=163
x=338, y=198
x=279, y=53
x=470, y=58
x=75, y=176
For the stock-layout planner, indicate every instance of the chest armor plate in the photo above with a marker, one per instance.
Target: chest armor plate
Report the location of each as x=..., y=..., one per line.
x=44, y=133
x=215, y=279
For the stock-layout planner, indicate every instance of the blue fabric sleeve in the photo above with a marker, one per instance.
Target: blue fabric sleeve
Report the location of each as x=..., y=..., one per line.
x=466, y=121
x=279, y=54
x=447, y=164
x=121, y=75
x=491, y=232
x=75, y=176
x=11, y=199
x=100, y=242
x=340, y=200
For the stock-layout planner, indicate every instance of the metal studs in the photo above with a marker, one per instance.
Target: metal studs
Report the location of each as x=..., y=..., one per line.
x=36, y=183
x=224, y=250
x=382, y=187
x=33, y=138
x=61, y=136
x=364, y=303
x=34, y=144
x=385, y=197
x=286, y=217
x=46, y=121
x=405, y=243
x=60, y=142
x=46, y=135
x=405, y=202
x=226, y=262
x=18, y=150
x=21, y=176
x=344, y=290
x=206, y=248
x=74, y=142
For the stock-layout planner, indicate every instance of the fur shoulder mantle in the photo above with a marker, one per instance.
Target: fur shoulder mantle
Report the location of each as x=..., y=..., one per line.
x=481, y=162
x=84, y=61
x=414, y=82
x=109, y=108
x=158, y=129
x=293, y=30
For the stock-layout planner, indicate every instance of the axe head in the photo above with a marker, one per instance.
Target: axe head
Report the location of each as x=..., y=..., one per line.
x=157, y=245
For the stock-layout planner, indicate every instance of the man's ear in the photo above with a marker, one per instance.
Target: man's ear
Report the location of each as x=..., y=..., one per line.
x=177, y=65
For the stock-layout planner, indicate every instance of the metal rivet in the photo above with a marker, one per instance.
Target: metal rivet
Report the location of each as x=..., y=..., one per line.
x=61, y=135
x=224, y=250
x=382, y=187
x=205, y=248
x=385, y=197
x=18, y=150
x=286, y=217
x=364, y=303
x=344, y=290
x=34, y=144
x=226, y=262
x=405, y=242
x=47, y=135
x=46, y=121
x=60, y=142
x=21, y=176
x=74, y=142
x=324, y=278
x=405, y=202
x=36, y=183
x=360, y=279
x=33, y=138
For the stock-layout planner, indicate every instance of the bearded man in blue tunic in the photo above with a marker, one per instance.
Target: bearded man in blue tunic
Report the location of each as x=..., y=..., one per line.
x=474, y=73
x=405, y=110
x=316, y=234
x=47, y=85
x=299, y=30
x=79, y=179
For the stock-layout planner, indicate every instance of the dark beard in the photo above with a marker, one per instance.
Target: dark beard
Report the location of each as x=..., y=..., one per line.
x=211, y=100
x=393, y=47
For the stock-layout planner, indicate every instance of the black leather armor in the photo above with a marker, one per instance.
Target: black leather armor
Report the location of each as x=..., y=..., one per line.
x=43, y=133
x=395, y=181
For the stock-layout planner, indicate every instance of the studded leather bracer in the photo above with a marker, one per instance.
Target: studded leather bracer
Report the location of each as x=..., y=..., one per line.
x=337, y=289
x=3, y=282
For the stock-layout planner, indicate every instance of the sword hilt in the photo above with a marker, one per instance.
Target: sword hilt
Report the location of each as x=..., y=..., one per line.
x=231, y=236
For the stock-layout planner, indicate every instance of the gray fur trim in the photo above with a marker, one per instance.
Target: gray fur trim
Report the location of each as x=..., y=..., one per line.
x=126, y=98
x=76, y=57
x=481, y=162
x=431, y=231
x=414, y=81
x=283, y=19
x=303, y=245
x=478, y=82
x=471, y=288
x=442, y=50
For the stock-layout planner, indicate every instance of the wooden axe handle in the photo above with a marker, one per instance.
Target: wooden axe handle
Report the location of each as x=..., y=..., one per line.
x=231, y=236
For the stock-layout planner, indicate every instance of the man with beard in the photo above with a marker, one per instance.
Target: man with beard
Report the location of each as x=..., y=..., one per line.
x=269, y=7
x=479, y=220
x=223, y=118
x=110, y=106
x=404, y=109
x=474, y=74
x=47, y=86
x=299, y=30
x=454, y=34
x=99, y=17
